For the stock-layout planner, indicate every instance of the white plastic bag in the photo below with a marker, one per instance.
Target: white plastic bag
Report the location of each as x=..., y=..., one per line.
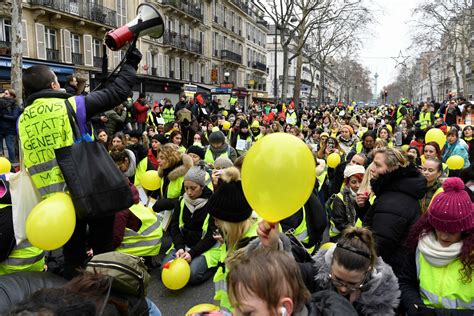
x=25, y=196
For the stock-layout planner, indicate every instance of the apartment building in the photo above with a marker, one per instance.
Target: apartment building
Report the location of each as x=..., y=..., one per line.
x=218, y=46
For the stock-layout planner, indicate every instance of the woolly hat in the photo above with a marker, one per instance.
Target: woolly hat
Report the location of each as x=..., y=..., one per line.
x=349, y=128
x=199, y=175
x=452, y=211
x=216, y=137
x=228, y=203
x=197, y=151
x=324, y=134
x=160, y=138
x=370, y=120
x=244, y=124
x=352, y=170
x=222, y=163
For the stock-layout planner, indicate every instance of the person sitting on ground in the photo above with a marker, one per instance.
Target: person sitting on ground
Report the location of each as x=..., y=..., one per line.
x=351, y=268
x=191, y=227
x=437, y=275
x=268, y=282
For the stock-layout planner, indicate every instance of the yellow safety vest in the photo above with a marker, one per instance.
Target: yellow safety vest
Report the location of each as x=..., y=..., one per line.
x=291, y=118
x=151, y=119
x=24, y=257
x=181, y=222
x=333, y=231
x=400, y=116
x=220, y=277
x=249, y=143
x=43, y=127
x=140, y=171
x=440, y=286
x=174, y=188
x=147, y=241
x=182, y=149
x=425, y=120
x=168, y=115
x=359, y=147
x=321, y=178
x=209, y=158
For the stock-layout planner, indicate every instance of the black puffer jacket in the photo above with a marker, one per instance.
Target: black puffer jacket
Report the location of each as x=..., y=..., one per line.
x=395, y=209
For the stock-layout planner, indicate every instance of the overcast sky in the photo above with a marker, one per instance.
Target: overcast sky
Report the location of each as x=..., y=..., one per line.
x=390, y=34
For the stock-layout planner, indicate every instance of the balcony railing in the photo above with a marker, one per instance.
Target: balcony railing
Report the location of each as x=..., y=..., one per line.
x=52, y=54
x=182, y=42
x=191, y=9
x=260, y=66
x=5, y=48
x=228, y=55
x=77, y=59
x=241, y=5
x=97, y=62
x=85, y=9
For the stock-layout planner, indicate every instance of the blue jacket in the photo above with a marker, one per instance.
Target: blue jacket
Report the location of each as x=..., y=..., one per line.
x=9, y=113
x=456, y=149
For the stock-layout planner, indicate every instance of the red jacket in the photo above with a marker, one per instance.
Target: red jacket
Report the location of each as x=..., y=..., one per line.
x=141, y=111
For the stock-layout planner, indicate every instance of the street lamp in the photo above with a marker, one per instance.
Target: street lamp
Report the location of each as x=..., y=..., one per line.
x=226, y=77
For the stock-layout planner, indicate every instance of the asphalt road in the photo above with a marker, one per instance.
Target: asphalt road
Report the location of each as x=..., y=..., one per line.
x=177, y=303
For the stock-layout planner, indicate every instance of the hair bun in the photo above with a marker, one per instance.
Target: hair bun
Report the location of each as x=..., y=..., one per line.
x=453, y=184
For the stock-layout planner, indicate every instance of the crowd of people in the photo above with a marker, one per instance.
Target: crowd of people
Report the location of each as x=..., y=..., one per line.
x=389, y=230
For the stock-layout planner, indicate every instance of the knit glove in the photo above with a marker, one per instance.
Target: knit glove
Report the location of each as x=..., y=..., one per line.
x=134, y=57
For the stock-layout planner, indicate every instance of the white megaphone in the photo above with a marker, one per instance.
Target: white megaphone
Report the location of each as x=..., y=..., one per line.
x=147, y=22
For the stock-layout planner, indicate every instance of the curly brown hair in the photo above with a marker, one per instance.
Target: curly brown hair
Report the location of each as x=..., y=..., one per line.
x=171, y=153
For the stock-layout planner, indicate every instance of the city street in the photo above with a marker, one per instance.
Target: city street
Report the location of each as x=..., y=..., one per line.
x=178, y=302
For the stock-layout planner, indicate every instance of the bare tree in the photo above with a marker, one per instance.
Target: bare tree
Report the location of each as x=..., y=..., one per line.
x=17, y=50
x=447, y=25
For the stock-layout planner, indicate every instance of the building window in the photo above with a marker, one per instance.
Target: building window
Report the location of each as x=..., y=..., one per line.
x=97, y=43
x=50, y=36
x=5, y=30
x=121, y=6
x=75, y=43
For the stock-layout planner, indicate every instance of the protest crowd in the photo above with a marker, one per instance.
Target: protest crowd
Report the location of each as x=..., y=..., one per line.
x=384, y=224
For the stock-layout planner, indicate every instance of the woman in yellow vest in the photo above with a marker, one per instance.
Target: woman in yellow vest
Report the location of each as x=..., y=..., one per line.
x=242, y=140
x=191, y=226
x=232, y=212
x=344, y=207
x=432, y=170
x=218, y=148
x=176, y=137
x=438, y=275
x=172, y=166
x=384, y=134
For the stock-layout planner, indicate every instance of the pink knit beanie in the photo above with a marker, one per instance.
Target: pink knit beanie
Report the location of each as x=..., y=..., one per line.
x=452, y=211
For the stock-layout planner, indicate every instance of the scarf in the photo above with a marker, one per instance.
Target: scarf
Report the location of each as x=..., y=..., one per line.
x=436, y=254
x=217, y=152
x=195, y=204
x=132, y=165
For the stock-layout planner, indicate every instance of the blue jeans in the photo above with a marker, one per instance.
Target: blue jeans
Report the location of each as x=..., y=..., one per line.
x=10, y=140
x=199, y=270
x=152, y=308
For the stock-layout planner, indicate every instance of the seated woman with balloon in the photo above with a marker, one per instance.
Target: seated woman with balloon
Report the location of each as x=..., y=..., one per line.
x=191, y=226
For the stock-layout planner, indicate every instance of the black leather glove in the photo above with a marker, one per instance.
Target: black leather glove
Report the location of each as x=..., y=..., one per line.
x=420, y=310
x=134, y=57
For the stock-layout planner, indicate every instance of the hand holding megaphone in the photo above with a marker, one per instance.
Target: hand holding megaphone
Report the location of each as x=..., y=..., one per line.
x=133, y=57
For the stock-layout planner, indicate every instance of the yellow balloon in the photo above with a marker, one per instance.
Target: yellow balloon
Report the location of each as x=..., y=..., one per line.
x=278, y=176
x=436, y=135
x=51, y=222
x=455, y=162
x=405, y=147
x=150, y=180
x=327, y=245
x=389, y=127
x=333, y=160
x=201, y=308
x=226, y=126
x=176, y=274
x=5, y=165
